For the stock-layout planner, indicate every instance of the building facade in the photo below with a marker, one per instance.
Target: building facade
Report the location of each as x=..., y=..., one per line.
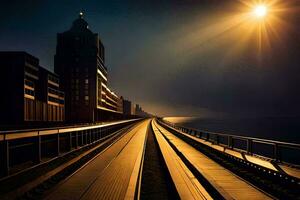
x=30, y=92
x=80, y=63
x=127, y=107
x=52, y=95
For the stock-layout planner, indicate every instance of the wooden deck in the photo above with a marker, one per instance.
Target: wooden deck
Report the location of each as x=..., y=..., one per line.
x=188, y=187
x=290, y=170
x=227, y=183
x=113, y=174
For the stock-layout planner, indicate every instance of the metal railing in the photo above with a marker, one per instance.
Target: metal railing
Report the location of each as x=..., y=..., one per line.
x=248, y=145
x=21, y=146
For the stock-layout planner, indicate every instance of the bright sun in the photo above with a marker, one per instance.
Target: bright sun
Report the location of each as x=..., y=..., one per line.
x=260, y=11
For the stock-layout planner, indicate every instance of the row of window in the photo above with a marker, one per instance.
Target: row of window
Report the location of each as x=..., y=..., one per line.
x=31, y=71
x=53, y=79
x=55, y=100
x=55, y=92
x=29, y=83
x=29, y=92
x=76, y=81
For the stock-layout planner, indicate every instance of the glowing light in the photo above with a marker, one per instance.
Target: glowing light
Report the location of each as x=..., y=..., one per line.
x=260, y=11
x=256, y=25
x=81, y=14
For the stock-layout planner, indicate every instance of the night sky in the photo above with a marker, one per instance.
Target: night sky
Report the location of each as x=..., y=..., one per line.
x=180, y=57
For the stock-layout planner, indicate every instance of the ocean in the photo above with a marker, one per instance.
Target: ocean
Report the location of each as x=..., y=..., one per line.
x=280, y=129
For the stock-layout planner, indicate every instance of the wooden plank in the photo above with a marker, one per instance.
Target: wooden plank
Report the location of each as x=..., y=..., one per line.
x=253, y=159
x=227, y=183
x=108, y=174
x=188, y=187
x=292, y=171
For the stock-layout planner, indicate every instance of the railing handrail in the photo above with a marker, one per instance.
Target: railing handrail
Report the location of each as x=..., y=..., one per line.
x=59, y=129
x=254, y=139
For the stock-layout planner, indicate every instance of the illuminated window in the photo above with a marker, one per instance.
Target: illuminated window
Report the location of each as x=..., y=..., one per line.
x=86, y=81
x=86, y=98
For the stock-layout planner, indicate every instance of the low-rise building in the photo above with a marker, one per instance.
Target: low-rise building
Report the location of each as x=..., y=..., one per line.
x=30, y=93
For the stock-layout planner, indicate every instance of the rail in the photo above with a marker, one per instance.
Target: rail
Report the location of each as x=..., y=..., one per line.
x=21, y=146
x=18, y=134
x=249, y=145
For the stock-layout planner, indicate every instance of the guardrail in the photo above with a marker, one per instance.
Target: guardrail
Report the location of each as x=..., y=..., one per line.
x=21, y=146
x=249, y=145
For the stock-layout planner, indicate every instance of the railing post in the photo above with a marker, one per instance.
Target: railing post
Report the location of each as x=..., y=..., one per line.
x=230, y=142
x=103, y=132
x=81, y=138
x=86, y=137
x=89, y=131
x=76, y=139
x=57, y=149
x=70, y=141
x=276, y=152
x=249, y=146
x=217, y=139
x=4, y=162
x=207, y=136
x=93, y=135
x=38, y=154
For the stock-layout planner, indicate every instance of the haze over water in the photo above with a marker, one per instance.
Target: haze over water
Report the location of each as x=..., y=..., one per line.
x=279, y=128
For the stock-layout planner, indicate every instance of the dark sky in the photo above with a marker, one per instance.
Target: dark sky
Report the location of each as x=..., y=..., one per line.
x=180, y=57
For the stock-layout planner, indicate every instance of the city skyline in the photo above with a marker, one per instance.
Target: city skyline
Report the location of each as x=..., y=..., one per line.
x=155, y=99
x=227, y=84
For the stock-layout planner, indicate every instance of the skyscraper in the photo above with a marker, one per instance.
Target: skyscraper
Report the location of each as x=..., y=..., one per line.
x=80, y=63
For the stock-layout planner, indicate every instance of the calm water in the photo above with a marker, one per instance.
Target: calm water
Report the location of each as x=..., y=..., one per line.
x=282, y=129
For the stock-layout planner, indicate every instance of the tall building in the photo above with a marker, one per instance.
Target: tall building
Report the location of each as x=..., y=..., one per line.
x=80, y=63
x=30, y=92
x=127, y=107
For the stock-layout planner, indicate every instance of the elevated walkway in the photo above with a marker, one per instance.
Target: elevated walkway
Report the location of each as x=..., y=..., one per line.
x=188, y=187
x=229, y=185
x=260, y=161
x=113, y=174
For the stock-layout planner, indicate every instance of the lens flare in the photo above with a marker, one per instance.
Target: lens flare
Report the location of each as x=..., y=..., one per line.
x=260, y=11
